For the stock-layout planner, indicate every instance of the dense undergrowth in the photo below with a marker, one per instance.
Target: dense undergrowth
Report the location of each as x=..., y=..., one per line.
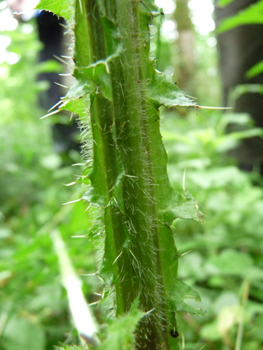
x=221, y=259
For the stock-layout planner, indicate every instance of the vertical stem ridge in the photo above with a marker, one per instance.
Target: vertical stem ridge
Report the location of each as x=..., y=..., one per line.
x=139, y=247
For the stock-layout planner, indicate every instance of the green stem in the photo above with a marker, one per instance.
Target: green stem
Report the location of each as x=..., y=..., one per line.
x=117, y=94
x=139, y=247
x=240, y=330
x=137, y=128
x=104, y=150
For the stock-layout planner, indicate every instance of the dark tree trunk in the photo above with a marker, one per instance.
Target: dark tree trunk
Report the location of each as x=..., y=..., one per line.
x=239, y=49
x=51, y=33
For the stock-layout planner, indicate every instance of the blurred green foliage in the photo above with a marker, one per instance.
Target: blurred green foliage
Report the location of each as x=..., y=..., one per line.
x=225, y=253
x=251, y=15
x=223, y=259
x=33, y=308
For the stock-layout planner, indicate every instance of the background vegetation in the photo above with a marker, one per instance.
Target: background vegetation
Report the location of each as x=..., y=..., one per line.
x=224, y=255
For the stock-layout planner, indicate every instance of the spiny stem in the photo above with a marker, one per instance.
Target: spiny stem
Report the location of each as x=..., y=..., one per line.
x=139, y=247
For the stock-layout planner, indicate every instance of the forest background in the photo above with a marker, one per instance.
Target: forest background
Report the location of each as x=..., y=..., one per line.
x=224, y=254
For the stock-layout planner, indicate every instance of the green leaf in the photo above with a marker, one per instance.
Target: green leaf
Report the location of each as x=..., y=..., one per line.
x=149, y=5
x=69, y=347
x=60, y=8
x=95, y=197
x=252, y=15
x=222, y=3
x=247, y=88
x=230, y=262
x=18, y=335
x=181, y=292
x=99, y=74
x=216, y=178
x=182, y=207
x=210, y=331
x=163, y=91
x=255, y=70
x=78, y=90
x=77, y=99
x=120, y=334
x=50, y=66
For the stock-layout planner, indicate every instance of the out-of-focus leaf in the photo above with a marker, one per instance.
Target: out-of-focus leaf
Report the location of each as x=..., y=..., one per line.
x=225, y=299
x=20, y=334
x=181, y=292
x=5, y=233
x=48, y=295
x=69, y=347
x=224, y=2
x=252, y=15
x=215, y=178
x=210, y=331
x=49, y=66
x=230, y=262
x=227, y=318
x=255, y=70
x=4, y=277
x=246, y=88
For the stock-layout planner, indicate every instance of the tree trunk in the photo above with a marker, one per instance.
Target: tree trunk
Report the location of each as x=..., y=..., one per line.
x=240, y=49
x=185, y=43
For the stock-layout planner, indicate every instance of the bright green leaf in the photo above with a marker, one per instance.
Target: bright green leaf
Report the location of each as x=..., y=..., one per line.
x=69, y=347
x=49, y=66
x=210, y=331
x=60, y=8
x=77, y=99
x=230, y=262
x=224, y=2
x=163, y=91
x=99, y=75
x=251, y=15
x=20, y=334
x=181, y=292
x=255, y=70
x=182, y=207
x=95, y=197
x=247, y=88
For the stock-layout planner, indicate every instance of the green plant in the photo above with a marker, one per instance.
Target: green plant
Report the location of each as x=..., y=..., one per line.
x=31, y=177
x=117, y=94
x=224, y=256
x=250, y=15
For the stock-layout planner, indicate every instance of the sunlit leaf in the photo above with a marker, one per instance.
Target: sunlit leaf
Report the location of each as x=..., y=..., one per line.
x=251, y=15
x=231, y=262
x=247, y=88
x=60, y=8
x=255, y=70
x=18, y=335
x=164, y=91
x=224, y=2
x=182, y=292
